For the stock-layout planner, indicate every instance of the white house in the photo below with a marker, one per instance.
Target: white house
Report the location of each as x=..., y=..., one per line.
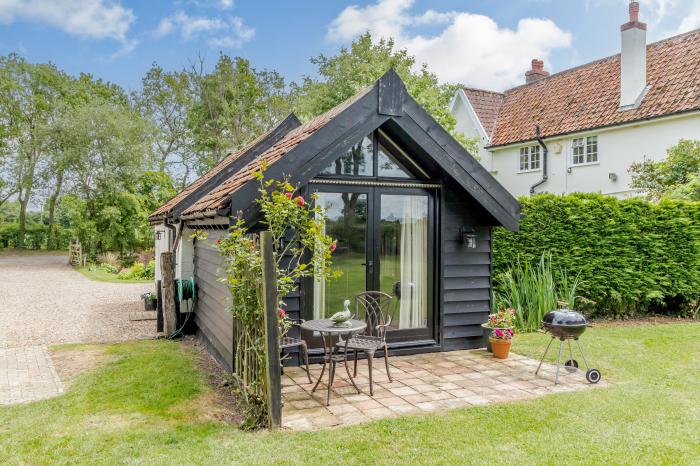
x=595, y=119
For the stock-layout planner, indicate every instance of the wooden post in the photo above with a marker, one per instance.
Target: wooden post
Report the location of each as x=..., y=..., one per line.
x=168, y=284
x=159, y=307
x=272, y=342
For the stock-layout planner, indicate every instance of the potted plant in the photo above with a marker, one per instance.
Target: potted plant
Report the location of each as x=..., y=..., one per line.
x=503, y=319
x=150, y=301
x=500, y=340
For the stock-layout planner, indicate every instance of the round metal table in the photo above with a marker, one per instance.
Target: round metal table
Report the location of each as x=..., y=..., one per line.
x=328, y=330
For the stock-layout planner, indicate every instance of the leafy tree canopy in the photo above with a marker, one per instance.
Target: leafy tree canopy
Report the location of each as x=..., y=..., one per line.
x=353, y=69
x=675, y=177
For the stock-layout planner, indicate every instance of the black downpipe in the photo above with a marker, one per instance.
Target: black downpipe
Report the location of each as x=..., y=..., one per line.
x=544, y=160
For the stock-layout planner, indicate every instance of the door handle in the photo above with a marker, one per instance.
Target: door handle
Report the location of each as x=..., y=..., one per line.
x=368, y=263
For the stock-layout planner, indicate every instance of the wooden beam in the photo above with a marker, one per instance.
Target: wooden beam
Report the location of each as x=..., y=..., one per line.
x=159, y=307
x=272, y=342
x=167, y=271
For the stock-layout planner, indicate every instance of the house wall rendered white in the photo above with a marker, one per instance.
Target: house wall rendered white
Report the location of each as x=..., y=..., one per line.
x=618, y=148
x=468, y=124
x=184, y=260
x=161, y=245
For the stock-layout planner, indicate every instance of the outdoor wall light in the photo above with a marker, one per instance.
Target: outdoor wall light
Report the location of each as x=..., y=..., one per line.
x=158, y=235
x=612, y=176
x=468, y=236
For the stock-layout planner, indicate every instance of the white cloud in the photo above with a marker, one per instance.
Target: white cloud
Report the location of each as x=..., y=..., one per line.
x=225, y=4
x=95, y=19
x=692, y=19
x=231, y=32
x=471, y=49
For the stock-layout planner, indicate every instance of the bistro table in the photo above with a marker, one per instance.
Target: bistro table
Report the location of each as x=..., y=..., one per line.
x=328, y=329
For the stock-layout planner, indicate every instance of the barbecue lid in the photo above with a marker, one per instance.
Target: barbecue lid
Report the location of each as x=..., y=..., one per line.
x=564, y=317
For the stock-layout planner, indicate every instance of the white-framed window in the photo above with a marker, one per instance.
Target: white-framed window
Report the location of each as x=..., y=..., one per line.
x=529, y=158
x=584, y=150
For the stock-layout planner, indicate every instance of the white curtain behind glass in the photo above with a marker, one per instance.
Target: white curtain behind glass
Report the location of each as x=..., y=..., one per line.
x=320, y=289
x=413, y=308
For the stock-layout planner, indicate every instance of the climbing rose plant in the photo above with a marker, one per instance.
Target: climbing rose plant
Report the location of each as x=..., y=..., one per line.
x=300, y=249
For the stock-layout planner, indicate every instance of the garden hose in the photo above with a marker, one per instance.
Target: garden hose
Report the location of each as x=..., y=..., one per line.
x=186, y=291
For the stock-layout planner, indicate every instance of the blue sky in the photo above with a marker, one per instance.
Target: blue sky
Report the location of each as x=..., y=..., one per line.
x=484, y=43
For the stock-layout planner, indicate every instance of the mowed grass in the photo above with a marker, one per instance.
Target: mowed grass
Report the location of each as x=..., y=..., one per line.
x=143, y=406
x=103, y=276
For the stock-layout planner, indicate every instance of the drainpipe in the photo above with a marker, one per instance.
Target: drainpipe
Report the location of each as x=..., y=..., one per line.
x=544, y=160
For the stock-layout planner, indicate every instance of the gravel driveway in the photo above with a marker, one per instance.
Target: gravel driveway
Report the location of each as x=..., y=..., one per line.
x=43, y=301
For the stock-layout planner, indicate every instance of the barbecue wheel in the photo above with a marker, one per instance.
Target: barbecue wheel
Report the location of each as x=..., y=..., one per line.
x=593, y=375
x=571, y=365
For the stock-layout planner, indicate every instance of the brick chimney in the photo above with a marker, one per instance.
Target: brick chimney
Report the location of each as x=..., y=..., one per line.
x=536, y=73
x=633, y=59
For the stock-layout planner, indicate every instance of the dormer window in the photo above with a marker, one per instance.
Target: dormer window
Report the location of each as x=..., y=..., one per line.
x=584, y=150
x=529, y=158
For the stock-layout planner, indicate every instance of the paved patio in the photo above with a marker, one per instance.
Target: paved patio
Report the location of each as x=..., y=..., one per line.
x=422, y=383
x=27, y=374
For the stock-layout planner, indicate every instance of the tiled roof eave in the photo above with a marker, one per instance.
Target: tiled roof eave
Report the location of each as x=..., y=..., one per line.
x=593, y=128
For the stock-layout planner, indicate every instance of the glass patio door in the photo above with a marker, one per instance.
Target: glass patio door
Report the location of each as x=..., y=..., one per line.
x=384, y=243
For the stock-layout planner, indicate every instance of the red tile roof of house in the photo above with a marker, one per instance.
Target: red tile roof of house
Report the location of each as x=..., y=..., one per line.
x=588, y=96
x=487, y=105
x=219, y=197
x=168, y=206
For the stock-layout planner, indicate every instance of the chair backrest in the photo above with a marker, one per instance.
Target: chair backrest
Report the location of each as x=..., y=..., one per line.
x=375, y=305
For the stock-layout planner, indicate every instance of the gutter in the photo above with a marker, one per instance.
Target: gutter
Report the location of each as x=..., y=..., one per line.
x=545, y=152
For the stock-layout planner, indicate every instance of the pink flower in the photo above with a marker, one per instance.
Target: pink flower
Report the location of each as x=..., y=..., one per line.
x=333, y=245
x=499, y=333
x=217, y=242
x=289, y=195
x=282, y=313
x=300, y=201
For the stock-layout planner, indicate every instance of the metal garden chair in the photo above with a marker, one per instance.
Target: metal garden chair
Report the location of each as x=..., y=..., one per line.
x=291, y=342
x=375, y=305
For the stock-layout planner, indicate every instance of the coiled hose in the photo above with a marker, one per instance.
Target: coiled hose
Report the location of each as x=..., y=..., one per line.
x=186, y=292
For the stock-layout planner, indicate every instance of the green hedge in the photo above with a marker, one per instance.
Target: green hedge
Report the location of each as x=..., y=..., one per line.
x=633, y=256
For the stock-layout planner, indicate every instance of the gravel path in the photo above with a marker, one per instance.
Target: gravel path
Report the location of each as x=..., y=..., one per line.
x=43, y=301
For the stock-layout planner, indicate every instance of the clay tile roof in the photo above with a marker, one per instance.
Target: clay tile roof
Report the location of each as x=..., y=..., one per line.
x=588, y=96
x=192, y=187
x=219, y=197
x=487, y=105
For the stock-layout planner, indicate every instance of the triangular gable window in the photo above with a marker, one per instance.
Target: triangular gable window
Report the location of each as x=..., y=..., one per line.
x=375, y=156
x=357, y=161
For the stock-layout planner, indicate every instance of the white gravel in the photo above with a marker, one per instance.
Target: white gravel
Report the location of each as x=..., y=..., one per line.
x=43, y=301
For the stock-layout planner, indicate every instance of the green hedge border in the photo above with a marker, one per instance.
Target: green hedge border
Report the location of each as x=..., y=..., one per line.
x=633, y=256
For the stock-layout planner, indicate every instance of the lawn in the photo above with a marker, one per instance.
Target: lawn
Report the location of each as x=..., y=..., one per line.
x=144, y=405
x=93, y=273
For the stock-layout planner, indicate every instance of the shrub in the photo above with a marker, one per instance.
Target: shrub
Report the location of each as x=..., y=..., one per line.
x=138, y=271
x=533, y=290
x=108, y=268
x=630, y=255
x=109, y=258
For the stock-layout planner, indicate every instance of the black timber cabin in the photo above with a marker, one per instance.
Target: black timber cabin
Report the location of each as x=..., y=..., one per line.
x=411, y=209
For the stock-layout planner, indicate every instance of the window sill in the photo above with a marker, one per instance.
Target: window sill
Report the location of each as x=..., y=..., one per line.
x=529, y=171
x=587, y=164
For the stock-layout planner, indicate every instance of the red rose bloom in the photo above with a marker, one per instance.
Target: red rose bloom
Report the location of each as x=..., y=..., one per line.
x=282, y=313
x=300, y=201
x=217, y=242
x=289, y=195
x=333, y=245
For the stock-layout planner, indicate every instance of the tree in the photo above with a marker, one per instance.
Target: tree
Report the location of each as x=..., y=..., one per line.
x=165, y=99
x=677, y=176
x=351, y=70
x=232, y=105
x=28, y=101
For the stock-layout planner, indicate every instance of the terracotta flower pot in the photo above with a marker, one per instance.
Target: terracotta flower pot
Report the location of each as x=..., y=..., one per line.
x=501, y=347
